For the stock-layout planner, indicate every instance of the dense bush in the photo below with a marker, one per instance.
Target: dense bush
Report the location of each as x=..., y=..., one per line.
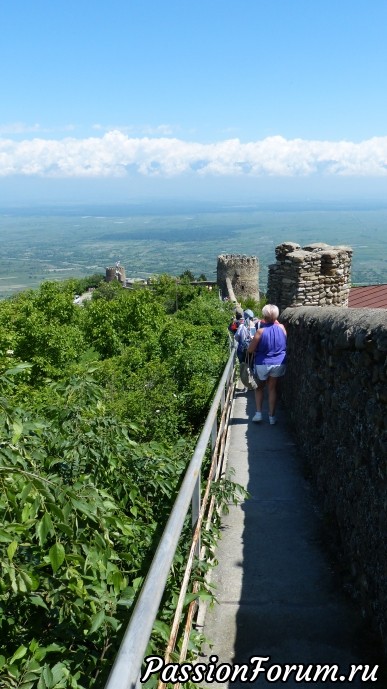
x=99, y=408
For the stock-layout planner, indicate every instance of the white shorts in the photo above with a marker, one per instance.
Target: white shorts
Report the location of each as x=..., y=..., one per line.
x=263, y=371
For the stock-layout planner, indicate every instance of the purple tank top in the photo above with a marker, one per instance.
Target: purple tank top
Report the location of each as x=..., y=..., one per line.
x=272, y=346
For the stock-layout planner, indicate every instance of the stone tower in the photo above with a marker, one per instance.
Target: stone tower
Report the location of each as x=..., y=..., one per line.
x=116, y=272
x=314, y=275
x=241, y=273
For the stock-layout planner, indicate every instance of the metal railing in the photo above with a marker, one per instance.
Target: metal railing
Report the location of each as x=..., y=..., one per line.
x=127, y=665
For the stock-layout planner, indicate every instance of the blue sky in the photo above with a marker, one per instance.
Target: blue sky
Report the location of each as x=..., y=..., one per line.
x=145, y=98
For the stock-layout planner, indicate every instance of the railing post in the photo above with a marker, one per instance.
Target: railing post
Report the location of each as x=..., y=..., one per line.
x=195, y=509
x=214, y=435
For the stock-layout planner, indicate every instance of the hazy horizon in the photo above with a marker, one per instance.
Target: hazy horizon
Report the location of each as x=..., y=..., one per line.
x=78, y=192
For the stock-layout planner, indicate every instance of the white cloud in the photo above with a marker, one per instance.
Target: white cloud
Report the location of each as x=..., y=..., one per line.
x=113, y=153
x=136, y=131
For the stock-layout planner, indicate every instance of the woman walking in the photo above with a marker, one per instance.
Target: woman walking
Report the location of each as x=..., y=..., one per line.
x=269, y=345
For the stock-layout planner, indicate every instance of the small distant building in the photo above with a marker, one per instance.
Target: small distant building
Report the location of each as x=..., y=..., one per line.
x=135, y=282
x=116, y=272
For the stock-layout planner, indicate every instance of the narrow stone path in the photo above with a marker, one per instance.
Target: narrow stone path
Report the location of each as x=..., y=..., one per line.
x=278, y=594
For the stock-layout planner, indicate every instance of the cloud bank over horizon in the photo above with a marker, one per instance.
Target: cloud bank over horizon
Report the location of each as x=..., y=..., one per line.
x=115, y=154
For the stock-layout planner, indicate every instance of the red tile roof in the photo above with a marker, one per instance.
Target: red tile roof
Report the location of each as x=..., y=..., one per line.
x=371, y=297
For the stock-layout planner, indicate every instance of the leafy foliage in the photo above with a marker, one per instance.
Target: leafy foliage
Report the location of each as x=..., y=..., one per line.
x=254, y=305
x=95, y=434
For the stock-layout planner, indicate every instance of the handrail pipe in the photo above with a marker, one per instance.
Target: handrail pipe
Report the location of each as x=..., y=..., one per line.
x=127, y=665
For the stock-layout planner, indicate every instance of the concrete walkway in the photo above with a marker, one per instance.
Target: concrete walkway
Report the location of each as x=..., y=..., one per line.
x=277, y=591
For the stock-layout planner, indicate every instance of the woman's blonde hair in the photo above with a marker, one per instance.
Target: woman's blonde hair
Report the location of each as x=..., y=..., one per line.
x=270, y=312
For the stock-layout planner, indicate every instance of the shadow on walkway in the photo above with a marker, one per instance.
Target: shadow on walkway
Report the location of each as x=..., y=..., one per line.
x=278, y=594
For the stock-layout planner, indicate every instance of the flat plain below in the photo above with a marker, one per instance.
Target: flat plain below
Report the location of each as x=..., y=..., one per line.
x=55, y=242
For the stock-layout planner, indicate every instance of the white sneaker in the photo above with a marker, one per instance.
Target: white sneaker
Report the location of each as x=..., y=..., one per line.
x=272, y=420
x=257, y=416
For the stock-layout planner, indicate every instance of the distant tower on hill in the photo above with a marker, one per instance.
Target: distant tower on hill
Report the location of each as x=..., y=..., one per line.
x=239, y=272
x=116, y=272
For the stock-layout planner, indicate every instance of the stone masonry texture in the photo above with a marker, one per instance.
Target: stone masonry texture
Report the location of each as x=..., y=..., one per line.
x=242, y=271
x=314, y=275
x=335, y=392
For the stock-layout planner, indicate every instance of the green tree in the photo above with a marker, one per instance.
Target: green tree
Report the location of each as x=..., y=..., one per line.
x=91, y=457
x=187, y=276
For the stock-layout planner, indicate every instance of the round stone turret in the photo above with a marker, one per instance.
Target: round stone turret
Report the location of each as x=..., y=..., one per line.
x=116, y=272
x=242, y=271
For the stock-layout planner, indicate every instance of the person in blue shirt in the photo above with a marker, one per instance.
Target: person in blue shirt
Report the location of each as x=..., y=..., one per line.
x=269, y=347
x=250, y=322
x=242, y=338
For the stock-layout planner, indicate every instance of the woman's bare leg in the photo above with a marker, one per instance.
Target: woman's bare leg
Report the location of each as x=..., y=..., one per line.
x=272, y=393
x=259, y=394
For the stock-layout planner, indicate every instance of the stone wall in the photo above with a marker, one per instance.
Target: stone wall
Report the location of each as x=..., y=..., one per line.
x=335, y=393
x=242, y=271
x=314, y=275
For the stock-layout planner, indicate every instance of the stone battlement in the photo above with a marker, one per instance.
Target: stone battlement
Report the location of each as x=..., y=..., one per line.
x=314, y=275
x=235, y=259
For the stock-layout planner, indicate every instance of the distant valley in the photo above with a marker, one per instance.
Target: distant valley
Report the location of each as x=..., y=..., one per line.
x=58, y=242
